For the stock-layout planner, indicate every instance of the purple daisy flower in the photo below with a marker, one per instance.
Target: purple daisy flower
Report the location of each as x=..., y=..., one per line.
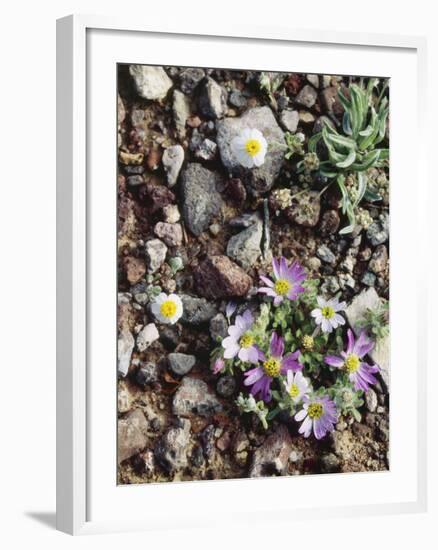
x=240, y=342
x=319, y=415
x=287, y=281
x=361, y=374
x=260, y=378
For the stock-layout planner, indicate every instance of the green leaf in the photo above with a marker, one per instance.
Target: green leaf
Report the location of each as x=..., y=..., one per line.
x=362, y=181
x=369, y=160
x=313, y=142
x=351, y=157
x=346, y=103
x=346, y=126
x=371, y=196
x=333, y=138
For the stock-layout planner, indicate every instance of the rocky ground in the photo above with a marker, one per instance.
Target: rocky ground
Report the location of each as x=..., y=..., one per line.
x=191, y=222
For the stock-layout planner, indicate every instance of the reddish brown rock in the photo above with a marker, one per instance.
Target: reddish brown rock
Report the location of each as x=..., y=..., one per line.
x=329, y=223
x=158, y=196
x=219, y=277
x=236, y=190
x=330, y=101
x=135, y=269
x=154, y=158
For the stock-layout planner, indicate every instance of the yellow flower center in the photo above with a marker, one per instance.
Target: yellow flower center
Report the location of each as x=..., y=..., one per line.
x=252, y=147
x=352, y=363
x=315, y=410
x=294, y=391
x=272, y=367
x=168, y=309
x=246, y=341
x=327, y=312
x=282, y=287
x=308, y=343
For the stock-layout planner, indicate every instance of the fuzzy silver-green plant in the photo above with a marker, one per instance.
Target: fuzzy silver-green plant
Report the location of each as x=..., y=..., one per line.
x=357, y=148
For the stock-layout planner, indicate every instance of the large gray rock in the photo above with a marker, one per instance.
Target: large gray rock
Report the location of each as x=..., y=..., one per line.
x=194, y=397
x=171, y=449
x=262, y=178
x=272, y=457
x=196, y=311
x=200, y=199
x=150, y=82
x=131, y=435
x=244, y=247
x=125, y=347
x=369, y=299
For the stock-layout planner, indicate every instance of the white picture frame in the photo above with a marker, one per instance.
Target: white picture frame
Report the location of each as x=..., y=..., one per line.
x=75, y=218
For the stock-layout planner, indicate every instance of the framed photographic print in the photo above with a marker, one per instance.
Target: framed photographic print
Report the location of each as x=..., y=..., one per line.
x=233, y=317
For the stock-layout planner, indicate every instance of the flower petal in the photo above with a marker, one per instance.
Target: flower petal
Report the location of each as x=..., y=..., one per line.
x=334, y=361
x=350, y=337
x=276, y=345
x=267, y=281
x=363, y=345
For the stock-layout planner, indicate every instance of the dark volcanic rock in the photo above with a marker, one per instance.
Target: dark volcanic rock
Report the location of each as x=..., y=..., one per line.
x=219, y=277
x=201, y=200
x=171, y=449
x=196, y=311
x=190, y=78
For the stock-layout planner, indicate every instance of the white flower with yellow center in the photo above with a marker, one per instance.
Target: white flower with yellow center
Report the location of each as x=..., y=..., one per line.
x=296, y=385
x=249, y=148
x=167, y=308
x=327, y=314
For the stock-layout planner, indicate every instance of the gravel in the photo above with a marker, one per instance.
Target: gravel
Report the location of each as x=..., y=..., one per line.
x=180, y=363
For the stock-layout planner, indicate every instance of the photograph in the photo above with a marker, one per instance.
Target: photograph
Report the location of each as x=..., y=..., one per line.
x=253, y=305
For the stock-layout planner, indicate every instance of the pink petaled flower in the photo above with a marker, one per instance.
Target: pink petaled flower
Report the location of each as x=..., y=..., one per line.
x=319, y=415
x=287, y=281
x=361, y=374
x=218, y=365
x=274, y=365
x=240, y=341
